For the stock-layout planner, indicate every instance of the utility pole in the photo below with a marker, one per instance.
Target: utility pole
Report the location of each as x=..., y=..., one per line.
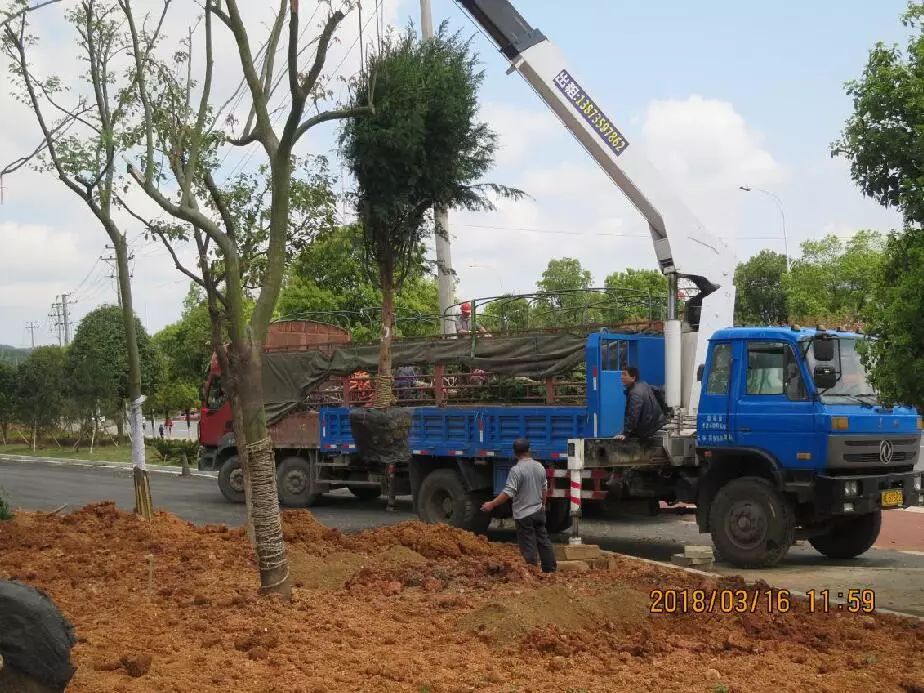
x=54, y=315
x=67, y=324
x=31, y=327
x=444, y=273
x=112, y=261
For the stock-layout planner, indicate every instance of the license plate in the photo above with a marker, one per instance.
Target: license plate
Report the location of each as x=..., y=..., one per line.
x=892, y=497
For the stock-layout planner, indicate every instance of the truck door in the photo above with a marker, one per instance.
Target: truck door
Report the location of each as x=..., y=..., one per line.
x=773, y=411
x=614, y=357
x=713, y=417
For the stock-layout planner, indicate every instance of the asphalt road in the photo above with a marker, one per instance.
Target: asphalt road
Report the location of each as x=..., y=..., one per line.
x=896, y=575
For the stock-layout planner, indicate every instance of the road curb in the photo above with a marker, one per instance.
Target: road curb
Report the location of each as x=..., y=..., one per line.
x=103, y=464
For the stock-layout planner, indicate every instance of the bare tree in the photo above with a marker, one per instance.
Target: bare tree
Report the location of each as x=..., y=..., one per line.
x=85, y=161
x=185, y=136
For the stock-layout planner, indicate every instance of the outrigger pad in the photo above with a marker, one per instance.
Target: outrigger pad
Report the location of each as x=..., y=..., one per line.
x=35, y=639
x=381, y=435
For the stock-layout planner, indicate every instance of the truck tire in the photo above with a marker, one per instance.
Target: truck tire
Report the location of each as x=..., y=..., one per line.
x=366, y=493
x=752, y=524
x=849, y=537
x=293, y=477
x=558, y=515
x=231, y=480
x=443, y=499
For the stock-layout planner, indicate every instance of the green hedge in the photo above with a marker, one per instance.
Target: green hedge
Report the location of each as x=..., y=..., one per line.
x=174, y=448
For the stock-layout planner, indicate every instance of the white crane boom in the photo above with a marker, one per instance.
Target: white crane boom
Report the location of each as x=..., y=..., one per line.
x=684, y=247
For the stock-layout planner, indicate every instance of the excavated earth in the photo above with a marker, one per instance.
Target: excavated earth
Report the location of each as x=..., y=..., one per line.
x=168, y=606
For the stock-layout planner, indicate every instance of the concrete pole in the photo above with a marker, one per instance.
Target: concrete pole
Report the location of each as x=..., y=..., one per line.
x=67, y=324
x=444, y=275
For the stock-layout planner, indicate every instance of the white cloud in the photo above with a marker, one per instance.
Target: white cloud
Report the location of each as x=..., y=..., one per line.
x=519, y=130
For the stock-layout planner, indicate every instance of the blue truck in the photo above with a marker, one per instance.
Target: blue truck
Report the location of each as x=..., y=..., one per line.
x=789, y=441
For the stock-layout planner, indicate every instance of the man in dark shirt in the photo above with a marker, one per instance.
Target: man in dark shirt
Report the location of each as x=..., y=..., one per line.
x=643, y=412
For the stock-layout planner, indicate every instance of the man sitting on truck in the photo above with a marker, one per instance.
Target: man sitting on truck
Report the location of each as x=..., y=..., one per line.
x=526, y=485
x=644, y=415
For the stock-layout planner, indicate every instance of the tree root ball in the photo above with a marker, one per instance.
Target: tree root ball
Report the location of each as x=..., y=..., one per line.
x=35, y=641
x=381, y=435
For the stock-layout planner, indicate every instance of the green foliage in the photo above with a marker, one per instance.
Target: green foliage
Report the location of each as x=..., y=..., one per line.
x=564, y=279
x=896, y=355
x=6, y=512
x=636, y=294
x=834, y=279
x=327, y=282
x=7, y=397
x=174, y=448
x=12, y=355
x=760, y=297
x=98, y=362
x=883, y=139
x=41, y=387
x=506, y=314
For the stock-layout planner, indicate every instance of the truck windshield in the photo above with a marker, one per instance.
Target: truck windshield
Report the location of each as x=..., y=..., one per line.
x=852, y=387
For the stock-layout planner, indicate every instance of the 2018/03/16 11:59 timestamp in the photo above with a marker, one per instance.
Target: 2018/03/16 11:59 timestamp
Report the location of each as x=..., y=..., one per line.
x=674, y=601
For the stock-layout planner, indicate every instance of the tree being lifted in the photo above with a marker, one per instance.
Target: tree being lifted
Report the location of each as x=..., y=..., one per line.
x=422, y=147
x=81, y=147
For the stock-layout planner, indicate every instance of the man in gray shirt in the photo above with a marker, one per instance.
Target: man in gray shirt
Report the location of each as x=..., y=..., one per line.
x=526, y=486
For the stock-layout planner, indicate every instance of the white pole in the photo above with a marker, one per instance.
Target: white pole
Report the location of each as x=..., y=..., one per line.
x=575, y=469
x=444, y=274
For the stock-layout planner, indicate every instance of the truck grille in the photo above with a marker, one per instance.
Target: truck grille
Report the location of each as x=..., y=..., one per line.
x=875, y=442
x=873, y=457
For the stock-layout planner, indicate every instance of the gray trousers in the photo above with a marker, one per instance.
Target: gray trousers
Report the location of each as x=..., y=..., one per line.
x=534, y=543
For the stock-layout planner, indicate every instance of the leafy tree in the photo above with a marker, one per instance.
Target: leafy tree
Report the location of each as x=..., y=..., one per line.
x=98, y=366
x=327, y=282
x=509, y=313
x=41, y=389
x=833, y=280
x=568, y=302
x=421, y=147
x=760, y=297
x=884, y=143
x=636, y=294
x=7, y=398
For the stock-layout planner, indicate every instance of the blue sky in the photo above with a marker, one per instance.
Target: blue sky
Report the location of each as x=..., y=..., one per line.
x=720, y=94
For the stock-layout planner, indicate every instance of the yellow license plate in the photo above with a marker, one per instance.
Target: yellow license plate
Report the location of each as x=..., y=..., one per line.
x=893, y=497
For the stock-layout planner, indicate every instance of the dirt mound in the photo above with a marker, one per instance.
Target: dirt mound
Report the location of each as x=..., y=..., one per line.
x=167, y=606
x=560, y=606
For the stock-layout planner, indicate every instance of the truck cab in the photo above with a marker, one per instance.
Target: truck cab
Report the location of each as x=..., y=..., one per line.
x=793, y=442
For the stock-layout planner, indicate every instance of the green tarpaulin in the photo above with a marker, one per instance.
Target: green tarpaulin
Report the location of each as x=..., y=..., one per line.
x=288, y=377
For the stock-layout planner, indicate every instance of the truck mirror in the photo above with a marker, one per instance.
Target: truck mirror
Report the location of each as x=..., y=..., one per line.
x=699, y=372
x=824, y=349
x=825, y=377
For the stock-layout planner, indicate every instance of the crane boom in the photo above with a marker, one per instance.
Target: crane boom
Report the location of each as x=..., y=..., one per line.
x=684, y=248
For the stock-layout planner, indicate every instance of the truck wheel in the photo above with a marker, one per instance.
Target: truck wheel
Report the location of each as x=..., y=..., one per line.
x=558, y=515
x=443, y=499
x=849, y=537
x=294, y=481
x=366, y=493
x=752, y=525
x=231, y=480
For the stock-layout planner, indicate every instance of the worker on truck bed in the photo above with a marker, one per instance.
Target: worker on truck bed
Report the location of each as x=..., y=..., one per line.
x=464, y=321
x=643, y=411
x=526, y=486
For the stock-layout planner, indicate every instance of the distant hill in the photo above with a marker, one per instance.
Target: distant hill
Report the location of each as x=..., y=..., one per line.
x=9, y=354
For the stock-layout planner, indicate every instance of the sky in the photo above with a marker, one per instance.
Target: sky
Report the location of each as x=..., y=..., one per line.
x=719, y=95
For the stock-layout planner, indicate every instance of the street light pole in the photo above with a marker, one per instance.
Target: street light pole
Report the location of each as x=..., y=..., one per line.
x=779, y=206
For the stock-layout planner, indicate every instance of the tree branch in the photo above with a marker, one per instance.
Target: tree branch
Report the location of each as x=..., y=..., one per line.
x=8, y=18
x=195, y=144
x=335, y=114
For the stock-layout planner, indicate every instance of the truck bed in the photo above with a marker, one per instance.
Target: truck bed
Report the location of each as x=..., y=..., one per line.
x=472, y=432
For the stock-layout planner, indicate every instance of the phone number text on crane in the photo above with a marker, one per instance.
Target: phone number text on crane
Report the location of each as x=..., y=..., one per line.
x=589, y=111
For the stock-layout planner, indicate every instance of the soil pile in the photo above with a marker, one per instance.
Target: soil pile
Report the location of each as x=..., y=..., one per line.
x=166, y=606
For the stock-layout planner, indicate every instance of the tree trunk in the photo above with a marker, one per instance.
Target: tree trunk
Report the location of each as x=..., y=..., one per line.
x=143, y=503
x=384, y=382
x=258, y=461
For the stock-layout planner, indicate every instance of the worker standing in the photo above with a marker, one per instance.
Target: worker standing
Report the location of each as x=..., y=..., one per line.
x=464, y=321
x=526, y=486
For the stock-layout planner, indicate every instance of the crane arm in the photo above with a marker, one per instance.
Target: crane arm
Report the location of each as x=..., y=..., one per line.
x=683, y=246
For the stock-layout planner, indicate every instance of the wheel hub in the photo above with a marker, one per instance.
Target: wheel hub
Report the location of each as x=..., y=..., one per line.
x=236, y=480
x=747, y=524
x=295, y=482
